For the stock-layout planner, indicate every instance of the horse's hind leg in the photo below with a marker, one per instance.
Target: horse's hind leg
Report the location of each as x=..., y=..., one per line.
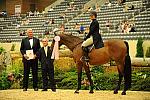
x=79, y=66
x=119, y=82
x=87, y=70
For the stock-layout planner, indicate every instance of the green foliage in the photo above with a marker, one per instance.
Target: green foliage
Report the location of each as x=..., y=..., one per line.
x=148, y=52
x=17, y=70
x=68, y=79
x=141, y=80
x=4, y=83
x=101, y=80
x=1, y=49
x=139, y=48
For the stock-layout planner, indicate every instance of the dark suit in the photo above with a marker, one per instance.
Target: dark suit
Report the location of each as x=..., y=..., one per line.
x=47, y=67
x=25, y=45
x=94, y=31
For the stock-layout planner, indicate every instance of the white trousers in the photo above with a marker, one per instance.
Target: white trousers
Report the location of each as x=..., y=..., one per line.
x=88, y=42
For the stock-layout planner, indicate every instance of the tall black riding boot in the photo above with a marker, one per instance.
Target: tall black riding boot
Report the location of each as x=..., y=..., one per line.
x=85, y=54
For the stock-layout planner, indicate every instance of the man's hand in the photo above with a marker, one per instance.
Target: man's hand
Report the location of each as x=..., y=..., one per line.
x=34, y=56
x=25, y=56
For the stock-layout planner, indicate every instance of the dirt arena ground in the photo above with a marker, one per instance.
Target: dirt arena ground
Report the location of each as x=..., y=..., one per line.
x=18, y=94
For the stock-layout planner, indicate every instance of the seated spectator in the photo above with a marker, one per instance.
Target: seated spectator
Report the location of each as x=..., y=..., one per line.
x=97, y=7
x=108, y=25
x=77, y=27
x=132, y=28
x=120, y=2
x=35, y=13
x=50, y=9
x=90, y=9
x=62, y=15
x=125, y=9
x=22, y=33
x=31, y=14
x=27, y=21
x=81, y=29
x=46, y=31
x=3, y=14
x=43, y=12
x=131, y=7
x=52, y=21
x=62, y=28
x=47, y=22
x=109, y=3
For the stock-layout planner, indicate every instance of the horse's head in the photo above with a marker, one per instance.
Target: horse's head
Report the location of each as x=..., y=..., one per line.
x=60, y=42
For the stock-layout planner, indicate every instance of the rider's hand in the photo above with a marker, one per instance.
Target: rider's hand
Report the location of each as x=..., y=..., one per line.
x=25, y=56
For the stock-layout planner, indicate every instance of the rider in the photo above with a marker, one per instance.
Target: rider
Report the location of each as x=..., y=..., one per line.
x=92, y=37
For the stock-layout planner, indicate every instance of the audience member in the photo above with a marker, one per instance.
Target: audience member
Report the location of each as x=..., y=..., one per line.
x=81, y=29
x=46, y=31
x=52, y=21
x=50, y=9
x=108, y=25
x=22, y=33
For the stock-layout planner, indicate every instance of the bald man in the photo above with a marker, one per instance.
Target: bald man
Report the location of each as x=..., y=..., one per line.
x=47, y=66
x=30, y=43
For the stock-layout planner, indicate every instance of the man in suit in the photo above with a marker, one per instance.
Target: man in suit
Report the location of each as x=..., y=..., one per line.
x=44, y=56
x=92, y=37
x=33, y=44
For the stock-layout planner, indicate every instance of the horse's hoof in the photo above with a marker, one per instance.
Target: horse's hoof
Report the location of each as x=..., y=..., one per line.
x=77, y=91
x=123, y=93
x=115, y=92
x=91, y=92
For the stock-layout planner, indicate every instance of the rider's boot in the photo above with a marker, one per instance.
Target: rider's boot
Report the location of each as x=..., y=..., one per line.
x=85, y=54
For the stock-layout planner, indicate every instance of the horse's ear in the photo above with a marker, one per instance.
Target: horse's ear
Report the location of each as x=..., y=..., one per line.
x=55, y=34
x=55, y=30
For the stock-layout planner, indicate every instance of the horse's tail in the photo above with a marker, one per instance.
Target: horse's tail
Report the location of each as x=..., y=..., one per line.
x=127, y=68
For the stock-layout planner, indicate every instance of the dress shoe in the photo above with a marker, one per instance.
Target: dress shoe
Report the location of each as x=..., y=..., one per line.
x=24, y=89
x=44, y=90
x=54, y=90
x=35, y=89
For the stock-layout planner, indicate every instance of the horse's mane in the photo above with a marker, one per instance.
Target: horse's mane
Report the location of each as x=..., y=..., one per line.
x=72, y=37
x=70, y=40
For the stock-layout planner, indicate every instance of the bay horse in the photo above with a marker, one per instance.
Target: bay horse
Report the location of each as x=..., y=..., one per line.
x=117, y=50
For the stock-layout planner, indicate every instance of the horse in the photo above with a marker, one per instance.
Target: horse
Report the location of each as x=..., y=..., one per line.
x=117, y=50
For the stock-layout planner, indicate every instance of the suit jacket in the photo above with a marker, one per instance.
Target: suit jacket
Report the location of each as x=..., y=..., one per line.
x=42, y=56
x=94, y=31
x=25, y=45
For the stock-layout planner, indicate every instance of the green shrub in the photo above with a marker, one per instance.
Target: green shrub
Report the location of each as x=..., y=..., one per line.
x=1, y=49
x=4, y=83
x=101, y=80
x=17, y=70
x=140, y=81
x=68, y=79
x=139, y=48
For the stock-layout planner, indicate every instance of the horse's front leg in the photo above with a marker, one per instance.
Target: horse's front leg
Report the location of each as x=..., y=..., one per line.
x=79, y=66
x=87, y=70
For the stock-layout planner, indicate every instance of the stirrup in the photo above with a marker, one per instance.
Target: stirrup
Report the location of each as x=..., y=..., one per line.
x=83, y=58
